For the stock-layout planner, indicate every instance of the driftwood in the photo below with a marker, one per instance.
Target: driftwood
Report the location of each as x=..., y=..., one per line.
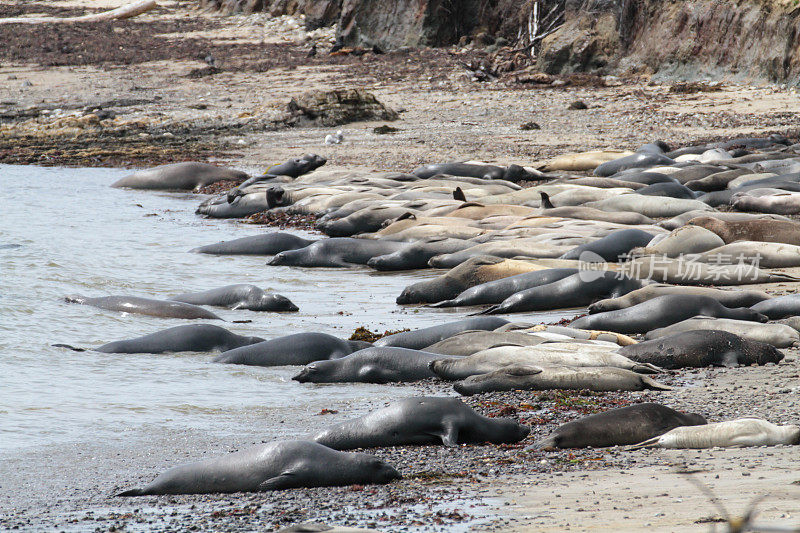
x=124, y=12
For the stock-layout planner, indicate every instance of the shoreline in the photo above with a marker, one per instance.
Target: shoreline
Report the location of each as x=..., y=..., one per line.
x=164, y=113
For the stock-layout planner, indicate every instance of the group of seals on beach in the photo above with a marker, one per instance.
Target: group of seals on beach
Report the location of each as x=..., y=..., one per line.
x=513, y=249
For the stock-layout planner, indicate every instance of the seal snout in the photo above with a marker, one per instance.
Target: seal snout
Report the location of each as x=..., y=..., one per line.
x=304, y=376
x=278, y=259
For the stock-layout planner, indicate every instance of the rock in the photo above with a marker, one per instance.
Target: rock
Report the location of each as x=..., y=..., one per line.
x=530, y=126
x=333, y=108
x=578, y=104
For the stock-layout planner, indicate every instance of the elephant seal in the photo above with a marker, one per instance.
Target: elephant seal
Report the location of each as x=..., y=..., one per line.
x=188, y=338
x=379, y=364
x=245, y=205
x=619, y=427
x=295, y=349
x=417, y=254
x=367, y=220
x=649, y=206
x=471, y=341
x=663, y=311
x=472, y=272
x=583, y=160
x=778, y=335
x=266, y=244
x=145, y=306
x=684, y=271
x=420, y=421
x=338, y=252
x=779, y=307
x=767, y=201
x=701, y=348
x=178, y=177
x=730, y=434
x=421, y=338
x=573, y=291
x=681, y=220
x=717, y=181
x=613, y=246
x=496, y=291
x=293, y=168
x=239, y=296
x=728, y=298
x=566, y=354
x=672, y=190
x=762, y=254
x=508, y=249
x=603, y=379
x=786, y=232
x=684, y=240
x=637, y=160
x=512, y=173
x=274, y=466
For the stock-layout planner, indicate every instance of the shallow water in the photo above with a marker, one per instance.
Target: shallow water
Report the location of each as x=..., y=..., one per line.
x=66, y=232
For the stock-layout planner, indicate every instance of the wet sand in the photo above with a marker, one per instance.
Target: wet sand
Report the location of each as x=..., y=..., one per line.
x=168, y=106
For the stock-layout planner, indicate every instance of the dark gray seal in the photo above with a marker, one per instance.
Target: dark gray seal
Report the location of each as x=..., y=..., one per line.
x=662, y=312
x=576, y=290
x=512, y=173
x=700, y=348
x=613, y=247
x=179, y=177
x=417, y=254
x=779, y=307
x=637, y=160
x=145, y=306
x=273, y=466
x=419, y=421
x=239, y=296
x=619, y=427
x=599, y=379
x=365, y=220
x=188, y=338
x=673, y=190
x=379, y=364
x=338, y=252
x=266, y=244
x=496, y=291
x=295, y=349
x=293, y=168
x=421, y=338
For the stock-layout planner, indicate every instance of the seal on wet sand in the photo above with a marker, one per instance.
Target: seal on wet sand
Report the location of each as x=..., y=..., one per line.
x=273, y=466
x=619, y=427
x=419, y=421
x=188, y=338
x=295, y=349
x=378, y=364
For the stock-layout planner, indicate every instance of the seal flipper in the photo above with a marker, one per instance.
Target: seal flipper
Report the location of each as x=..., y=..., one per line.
x=286, y=480
x=73, y=348
x=458, y=194
x=546, y=203
x=449, y=434
x=132, y=492
x=649, y=443
x=547, y=442
x=650, y=383
x=488, y=311
x=647, y=368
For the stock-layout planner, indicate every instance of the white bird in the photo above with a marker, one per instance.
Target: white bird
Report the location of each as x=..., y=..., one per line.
x=334, y=139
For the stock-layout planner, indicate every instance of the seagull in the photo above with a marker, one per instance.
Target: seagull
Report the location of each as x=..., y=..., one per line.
x=334, y=139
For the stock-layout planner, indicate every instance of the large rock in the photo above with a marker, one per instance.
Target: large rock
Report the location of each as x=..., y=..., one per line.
x=332, y=108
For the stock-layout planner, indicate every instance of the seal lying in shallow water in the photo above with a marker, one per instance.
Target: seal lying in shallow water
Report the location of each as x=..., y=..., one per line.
x=663, y=311
x=378, y=364
x=239, y=296
x=731, y=434
x=601, y=379
x=188, y=338
x=424, y=420
x=145, y=306
x=295, y=349
x=273, y=466
x=699, y=348
x=338, y=252
x=619, y=427
x=266, y=244
x=178, y=177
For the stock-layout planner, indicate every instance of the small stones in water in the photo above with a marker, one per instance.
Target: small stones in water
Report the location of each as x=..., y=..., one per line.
x=578, y=104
